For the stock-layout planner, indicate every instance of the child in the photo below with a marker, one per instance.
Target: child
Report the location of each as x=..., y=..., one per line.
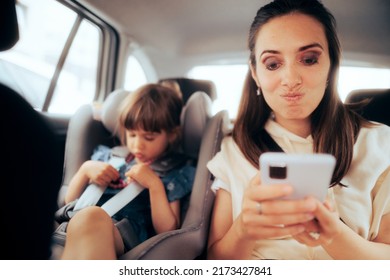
x=150, y=128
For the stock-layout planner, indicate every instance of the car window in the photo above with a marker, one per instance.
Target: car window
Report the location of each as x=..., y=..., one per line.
x=228, y=79
x=351, y=78
x=77, y=82
x=54, y=66
x=135, y=75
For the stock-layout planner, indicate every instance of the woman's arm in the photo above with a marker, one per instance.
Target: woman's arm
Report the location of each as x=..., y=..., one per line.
x=97, y=172
x=165, y=215
x=226, y=239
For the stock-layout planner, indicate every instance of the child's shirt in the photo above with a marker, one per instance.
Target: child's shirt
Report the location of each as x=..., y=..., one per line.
x=174, y=170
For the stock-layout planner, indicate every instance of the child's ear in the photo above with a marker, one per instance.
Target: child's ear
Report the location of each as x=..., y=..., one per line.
x=174, y=135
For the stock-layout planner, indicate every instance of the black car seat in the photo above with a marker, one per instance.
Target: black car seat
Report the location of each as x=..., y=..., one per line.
x=378, y=106
x=189, y=86
x=86, y=132
x=31, y=173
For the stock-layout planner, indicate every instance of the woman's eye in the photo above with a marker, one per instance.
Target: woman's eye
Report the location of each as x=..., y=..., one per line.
x=271, y=64
x=310, y=60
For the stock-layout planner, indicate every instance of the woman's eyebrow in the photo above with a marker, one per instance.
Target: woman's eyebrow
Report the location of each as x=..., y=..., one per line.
x=314, y=45
x=269, y=51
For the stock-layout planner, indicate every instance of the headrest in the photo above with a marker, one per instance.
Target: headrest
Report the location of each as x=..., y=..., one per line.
x=110, y=110
x=9, y=32
x=189, y=86
x=378, y=107
x=194, y=118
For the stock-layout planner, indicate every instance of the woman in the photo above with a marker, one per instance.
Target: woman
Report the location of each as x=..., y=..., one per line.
x=290, y=103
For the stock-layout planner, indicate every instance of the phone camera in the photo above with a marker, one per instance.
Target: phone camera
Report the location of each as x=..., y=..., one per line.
x=278, y=171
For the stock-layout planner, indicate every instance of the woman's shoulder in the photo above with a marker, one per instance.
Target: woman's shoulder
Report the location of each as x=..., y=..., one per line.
x=375, y=130
x=228, y=144
x=374, y=136
x=230, y=153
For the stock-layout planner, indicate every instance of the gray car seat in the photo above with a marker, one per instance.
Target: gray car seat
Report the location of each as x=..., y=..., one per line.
x=86, y=132
x=190, y=240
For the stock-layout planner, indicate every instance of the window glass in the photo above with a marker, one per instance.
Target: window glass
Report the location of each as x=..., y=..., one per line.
x=28, y=68
x=351, y=78
x=229, y=80
x=30, y=64
x=77, y=81
x=135, y=74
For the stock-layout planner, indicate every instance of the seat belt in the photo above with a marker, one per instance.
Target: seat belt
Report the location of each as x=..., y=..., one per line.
x=269, y=141
x=122, y=198
x=93, y=192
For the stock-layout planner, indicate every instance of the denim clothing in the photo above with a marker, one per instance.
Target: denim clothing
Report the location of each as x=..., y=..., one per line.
x=174, y=170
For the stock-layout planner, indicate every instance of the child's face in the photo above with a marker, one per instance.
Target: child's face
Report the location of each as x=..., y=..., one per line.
x=146, y=146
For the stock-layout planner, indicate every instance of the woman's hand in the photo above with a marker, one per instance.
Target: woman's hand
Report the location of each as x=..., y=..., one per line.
x=100, y=173
x=323, y=229
x=266, y=215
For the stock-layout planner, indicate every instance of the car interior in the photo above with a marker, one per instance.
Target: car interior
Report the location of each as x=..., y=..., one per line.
x=150, y=41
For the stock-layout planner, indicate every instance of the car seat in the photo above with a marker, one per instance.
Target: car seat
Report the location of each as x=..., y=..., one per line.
x=189, y=86
x=190, y=240
x=86, y=131
x=377, y=109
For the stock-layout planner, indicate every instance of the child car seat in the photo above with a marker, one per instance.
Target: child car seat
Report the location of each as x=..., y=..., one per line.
x=189, y=86
x=86, y=132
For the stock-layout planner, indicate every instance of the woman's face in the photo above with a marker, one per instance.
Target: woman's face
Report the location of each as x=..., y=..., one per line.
x=292, y=66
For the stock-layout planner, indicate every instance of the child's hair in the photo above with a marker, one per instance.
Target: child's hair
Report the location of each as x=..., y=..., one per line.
x=152, y=108
x=173, y=85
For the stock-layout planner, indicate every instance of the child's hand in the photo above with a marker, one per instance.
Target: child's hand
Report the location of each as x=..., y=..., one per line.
x=100, y=173
x=144, y=175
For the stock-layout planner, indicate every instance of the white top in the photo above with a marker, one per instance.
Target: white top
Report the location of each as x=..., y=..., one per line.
x=359, y=205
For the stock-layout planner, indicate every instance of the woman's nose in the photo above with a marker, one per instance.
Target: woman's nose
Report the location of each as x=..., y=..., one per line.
x=291, y=77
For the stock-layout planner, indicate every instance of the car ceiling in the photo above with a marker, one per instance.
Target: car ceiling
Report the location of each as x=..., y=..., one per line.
x=215, y=31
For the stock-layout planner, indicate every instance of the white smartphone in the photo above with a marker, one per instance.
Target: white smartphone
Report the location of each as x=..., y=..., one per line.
x=308, y=174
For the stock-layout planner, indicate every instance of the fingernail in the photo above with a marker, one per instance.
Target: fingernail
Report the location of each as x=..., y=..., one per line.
x=309, y=217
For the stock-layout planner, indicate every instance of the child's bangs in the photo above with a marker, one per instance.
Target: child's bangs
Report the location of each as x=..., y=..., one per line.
x=148, y=119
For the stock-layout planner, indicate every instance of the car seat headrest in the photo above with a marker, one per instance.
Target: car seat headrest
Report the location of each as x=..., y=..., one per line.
x=9, y=32
x=189, y=86
x=110, y=110
x=377, y=108
x=195, y=115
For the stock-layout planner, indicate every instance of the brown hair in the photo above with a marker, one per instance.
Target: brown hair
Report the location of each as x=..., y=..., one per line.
x=334, y=125
x=152, y=108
